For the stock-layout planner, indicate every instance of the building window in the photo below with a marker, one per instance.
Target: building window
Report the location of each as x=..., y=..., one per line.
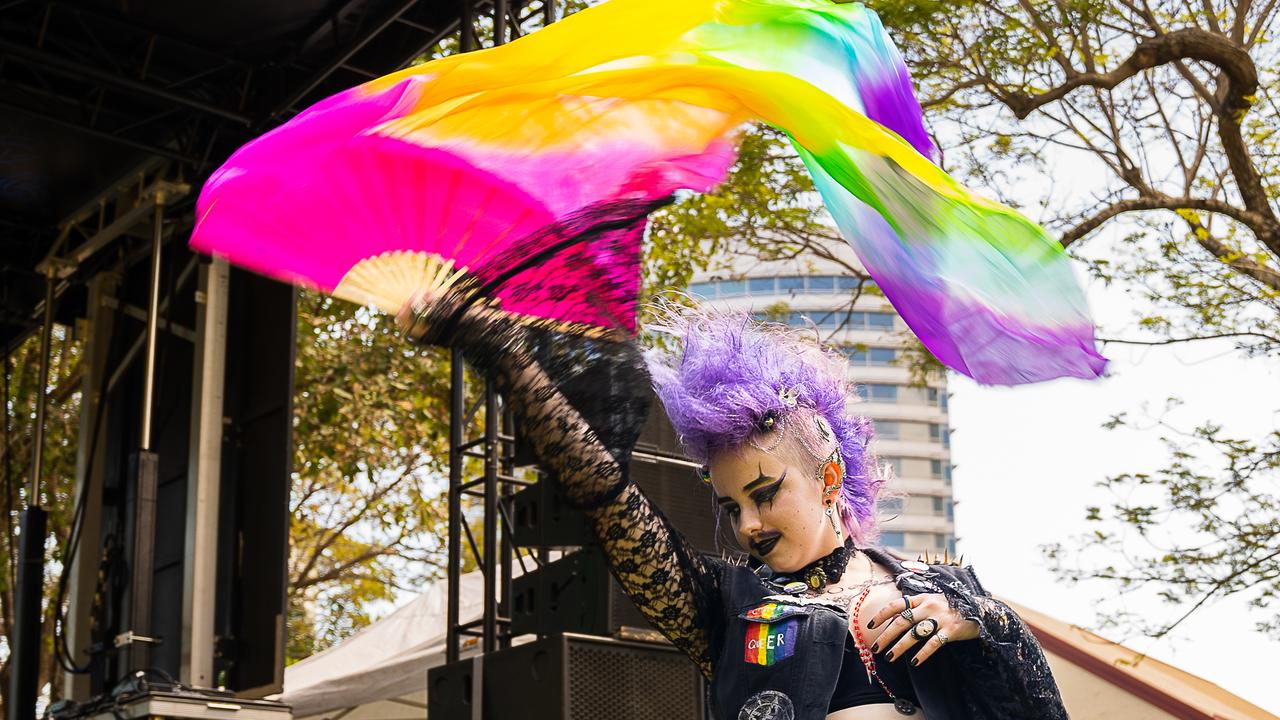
x=939, y=506
x=940, y=433
x=891, y=506
x=879, y=321
x=951, y=510
x=825, y=319
x=882, y=356
x=871, y=356
x=881, y=393
x=894, y=463
x=935, y=469
x=791, y=284
x=732, y=288
x=894, y=540
x=887, y=429
x=705, y=290
x=816, y=284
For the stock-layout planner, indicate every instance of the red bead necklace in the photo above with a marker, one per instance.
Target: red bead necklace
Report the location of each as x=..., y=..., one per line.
x=904, y=707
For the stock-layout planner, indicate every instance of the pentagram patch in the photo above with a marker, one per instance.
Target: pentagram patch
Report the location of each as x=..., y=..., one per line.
x=767, y=705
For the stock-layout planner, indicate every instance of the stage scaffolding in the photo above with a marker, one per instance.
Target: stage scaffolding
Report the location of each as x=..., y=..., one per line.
x=118, y=113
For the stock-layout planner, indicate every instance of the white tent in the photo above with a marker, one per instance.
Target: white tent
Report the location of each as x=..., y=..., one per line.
x=380, y=672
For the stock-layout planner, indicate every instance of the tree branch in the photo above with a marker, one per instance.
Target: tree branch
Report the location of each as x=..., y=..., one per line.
x=1257, y=223
x=1237, y=86
x=1188, y=43
x=1171, y=341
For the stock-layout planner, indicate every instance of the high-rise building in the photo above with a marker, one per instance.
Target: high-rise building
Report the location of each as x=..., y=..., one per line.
x=912, y=429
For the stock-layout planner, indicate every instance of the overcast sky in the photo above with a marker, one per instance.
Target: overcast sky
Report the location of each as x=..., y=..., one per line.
x=1028, y=459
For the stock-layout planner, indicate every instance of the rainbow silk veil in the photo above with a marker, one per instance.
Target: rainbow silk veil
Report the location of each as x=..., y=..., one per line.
x=491, y=163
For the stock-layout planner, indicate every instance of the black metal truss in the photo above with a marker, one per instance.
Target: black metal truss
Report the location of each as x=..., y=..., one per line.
x=114, y=80
x=139, y=92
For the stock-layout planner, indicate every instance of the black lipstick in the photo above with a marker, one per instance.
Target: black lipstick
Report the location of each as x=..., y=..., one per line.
x=763, y=547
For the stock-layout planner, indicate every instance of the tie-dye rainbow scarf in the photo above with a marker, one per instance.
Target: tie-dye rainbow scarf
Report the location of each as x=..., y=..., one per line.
x=416, y=177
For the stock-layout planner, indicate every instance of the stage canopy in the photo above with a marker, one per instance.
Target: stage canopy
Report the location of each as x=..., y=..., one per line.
x=380, y=673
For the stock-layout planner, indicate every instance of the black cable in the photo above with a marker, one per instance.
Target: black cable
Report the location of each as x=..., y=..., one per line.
x=66, y=658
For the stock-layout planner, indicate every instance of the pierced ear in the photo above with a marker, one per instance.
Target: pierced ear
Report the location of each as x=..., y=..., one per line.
x=831, y=473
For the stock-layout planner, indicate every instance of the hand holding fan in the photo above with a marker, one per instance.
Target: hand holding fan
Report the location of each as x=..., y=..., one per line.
x=523, y=173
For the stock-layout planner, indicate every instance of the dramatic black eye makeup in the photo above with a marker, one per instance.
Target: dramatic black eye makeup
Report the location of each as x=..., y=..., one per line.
x=761, y=491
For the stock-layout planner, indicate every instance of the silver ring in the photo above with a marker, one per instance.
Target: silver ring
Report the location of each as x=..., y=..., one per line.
x=907, y=615
x=918, y=632
x=942, y=639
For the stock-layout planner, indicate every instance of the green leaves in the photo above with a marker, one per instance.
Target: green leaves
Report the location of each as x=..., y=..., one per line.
x=370, y=461
x=1202, y=527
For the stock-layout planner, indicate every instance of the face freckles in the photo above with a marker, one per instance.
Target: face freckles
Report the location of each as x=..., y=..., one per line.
x=774, y=506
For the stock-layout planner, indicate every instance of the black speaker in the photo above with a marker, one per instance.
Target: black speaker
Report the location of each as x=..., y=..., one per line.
x=541, y=517
x=577, y=594
x=571, y=594
x=570, y=677
x=452, y=690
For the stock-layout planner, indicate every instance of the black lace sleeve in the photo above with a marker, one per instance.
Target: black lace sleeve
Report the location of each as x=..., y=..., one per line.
x=580, y=398
x=586, y=444
x=1007, y=675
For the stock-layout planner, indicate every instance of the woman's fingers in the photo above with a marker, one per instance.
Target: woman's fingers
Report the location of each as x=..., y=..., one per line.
x=909, y=639
x=951, y=632
x=890, y=609
x=889, y=619
x=931, y=646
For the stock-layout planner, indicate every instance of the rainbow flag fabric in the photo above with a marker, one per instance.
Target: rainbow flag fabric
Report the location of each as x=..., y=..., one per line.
x=393, y=190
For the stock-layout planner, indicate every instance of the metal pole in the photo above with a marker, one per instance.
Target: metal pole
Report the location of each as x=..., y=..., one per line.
x=491, y=420
x=205, y=476
x=42, y=397
x=466, y=23
x=457, y=384
x=145, y=472
x=507, y=551
x=25, y=670
x=153, y=313
x=499, y=22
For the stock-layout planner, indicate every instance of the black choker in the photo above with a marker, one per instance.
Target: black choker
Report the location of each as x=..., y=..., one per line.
x=826, y=569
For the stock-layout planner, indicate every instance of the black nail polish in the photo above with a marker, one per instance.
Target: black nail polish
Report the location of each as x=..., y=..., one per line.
x=888, y=656
x=875, y=648
x=914, y=662
x=871, y=624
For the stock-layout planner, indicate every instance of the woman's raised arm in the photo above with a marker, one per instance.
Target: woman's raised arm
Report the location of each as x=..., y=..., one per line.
x=581, y=402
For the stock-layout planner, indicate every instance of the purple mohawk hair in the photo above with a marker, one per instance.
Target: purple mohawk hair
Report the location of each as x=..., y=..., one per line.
x=726, y=376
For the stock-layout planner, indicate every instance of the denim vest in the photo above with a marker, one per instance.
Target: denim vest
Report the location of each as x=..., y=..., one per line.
x=778, y=655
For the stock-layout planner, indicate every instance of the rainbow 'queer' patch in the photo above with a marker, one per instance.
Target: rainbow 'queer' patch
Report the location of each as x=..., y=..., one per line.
x=766, y=643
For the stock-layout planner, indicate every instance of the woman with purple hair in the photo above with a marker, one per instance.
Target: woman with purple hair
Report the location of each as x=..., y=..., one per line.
x=821, y=622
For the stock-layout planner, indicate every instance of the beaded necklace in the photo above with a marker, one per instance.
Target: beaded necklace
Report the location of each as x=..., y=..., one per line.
x=903, y=706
